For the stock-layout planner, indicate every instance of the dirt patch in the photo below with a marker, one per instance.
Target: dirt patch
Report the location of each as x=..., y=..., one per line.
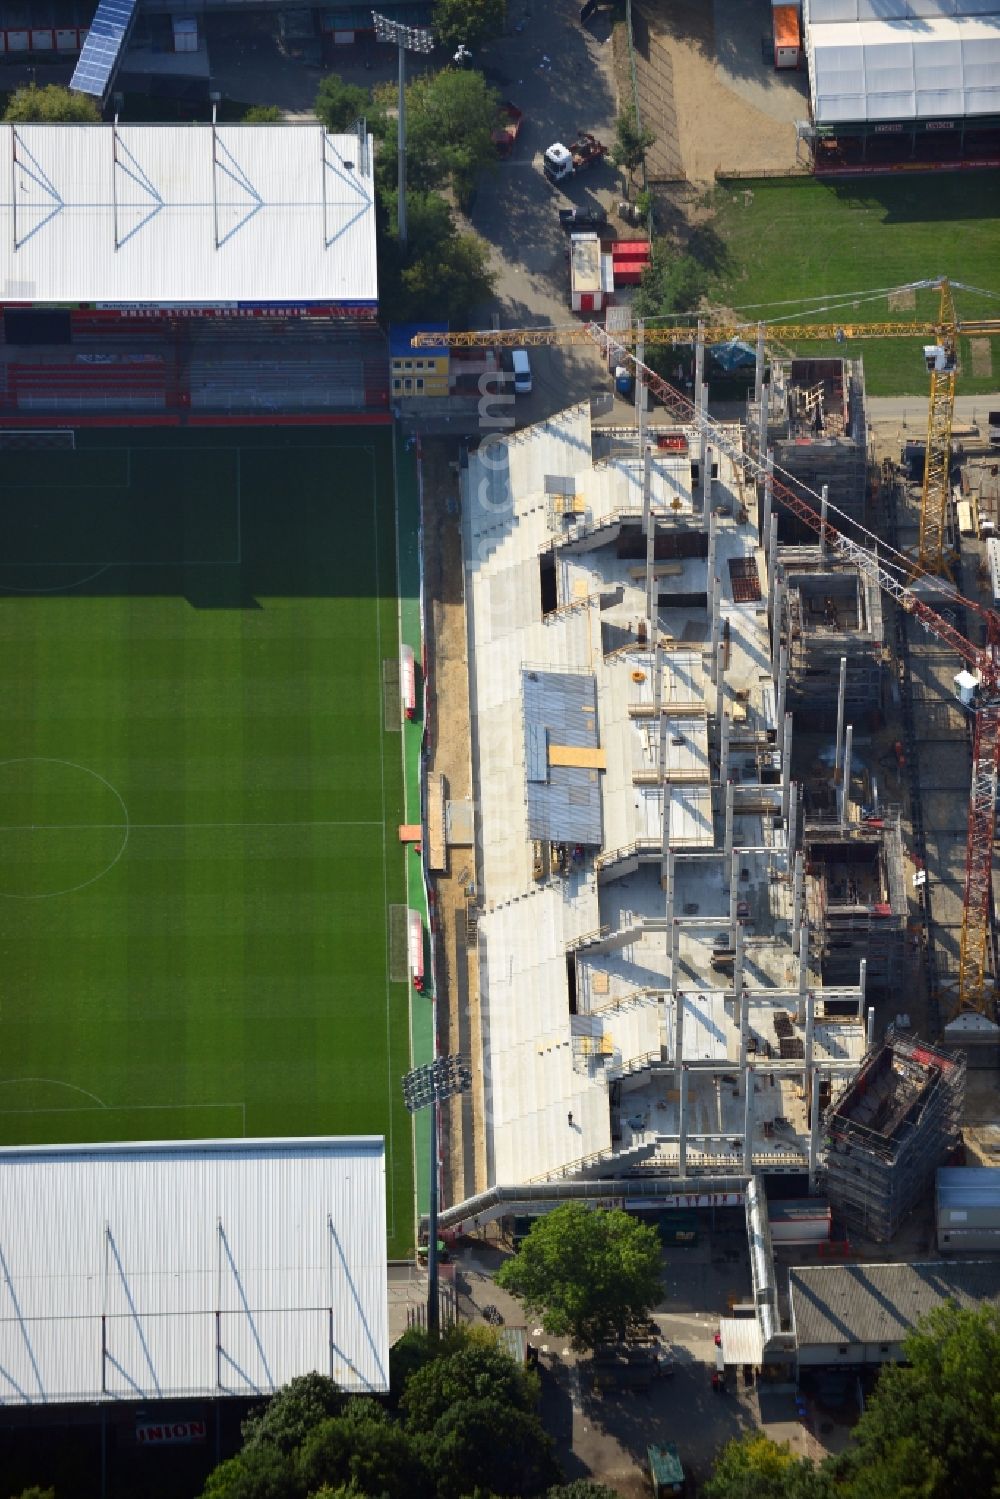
x=981, y=350
x=904, y=300
x=450, y=754
x=707, y=90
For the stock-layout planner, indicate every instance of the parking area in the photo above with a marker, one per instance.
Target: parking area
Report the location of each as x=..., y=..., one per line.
x=603, y=1437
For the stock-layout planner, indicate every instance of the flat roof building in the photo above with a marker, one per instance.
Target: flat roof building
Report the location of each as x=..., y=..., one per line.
x=861, y=1314
x=204, y=1268
x=151, y=217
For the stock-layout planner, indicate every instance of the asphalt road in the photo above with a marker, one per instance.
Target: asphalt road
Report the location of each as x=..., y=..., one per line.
x=561, y=75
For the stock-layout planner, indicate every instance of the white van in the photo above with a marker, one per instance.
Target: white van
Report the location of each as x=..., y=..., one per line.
x=522, y=372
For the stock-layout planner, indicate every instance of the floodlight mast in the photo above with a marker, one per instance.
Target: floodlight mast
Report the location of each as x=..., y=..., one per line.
x=406, y=39
x=426, y=1087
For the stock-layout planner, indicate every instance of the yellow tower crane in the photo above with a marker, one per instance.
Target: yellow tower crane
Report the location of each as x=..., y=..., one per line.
x=933, y=554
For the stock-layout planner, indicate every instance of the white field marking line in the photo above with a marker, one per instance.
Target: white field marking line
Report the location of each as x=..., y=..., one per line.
x=145, y=827
x=59, y=587
x=86, y=770
x=385, y=862
x=119, y=1108
x=53, y=1082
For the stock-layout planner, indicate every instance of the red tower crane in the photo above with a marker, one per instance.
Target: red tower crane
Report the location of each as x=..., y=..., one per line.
x=982, y=663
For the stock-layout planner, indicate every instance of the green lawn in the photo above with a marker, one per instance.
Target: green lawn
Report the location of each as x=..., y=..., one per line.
x=198, y=794
x=789, y=245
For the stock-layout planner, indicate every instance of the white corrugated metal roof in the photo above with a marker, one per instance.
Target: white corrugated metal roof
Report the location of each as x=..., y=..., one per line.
x=220, y=1267
x=940, y=68
x=963, y=1187
x=742, y=1340
x=845, y=1304
x=817, y=11
x=186, y=214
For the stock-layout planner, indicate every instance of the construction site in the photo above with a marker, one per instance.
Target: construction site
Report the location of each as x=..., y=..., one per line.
x=702, y=882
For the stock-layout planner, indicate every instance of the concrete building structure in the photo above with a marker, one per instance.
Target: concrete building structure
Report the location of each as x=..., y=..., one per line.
x=811, y=416
x=889, y=1130
x=651, y=990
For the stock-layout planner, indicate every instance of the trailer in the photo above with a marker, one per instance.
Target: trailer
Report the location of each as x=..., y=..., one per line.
x=787, y=36
x=408, y=681
x=505, y=134
x=415, y=940
x=591, y=274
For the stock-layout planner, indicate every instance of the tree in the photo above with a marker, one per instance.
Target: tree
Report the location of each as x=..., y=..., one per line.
x=263, y=114
x=483, y=1445
x=468, y=22
x=754, y=1465
x=289, y=1416
x=364, y=1449
x=49, y=105
x=339, y=104
x=478, y=1372
x=631, y=142
x=931, y=1429
x=34, y=1492
x=450, y=120
x=581, y=1489
x=261, y=1473
x=589, y=1275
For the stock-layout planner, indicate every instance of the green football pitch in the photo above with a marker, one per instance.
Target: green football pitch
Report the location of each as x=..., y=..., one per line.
x=200, y=785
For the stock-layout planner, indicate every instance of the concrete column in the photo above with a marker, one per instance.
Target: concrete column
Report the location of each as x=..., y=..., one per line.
x=720, y=680
x=824, y=495
x=814, y=1126
x=870, y=1028
x=758, y=374
x=683, y=1141
x=782, y=690
x=699, y=378
x=733, y=902
x=723, y=749
x=777, y=606
x=678, y=1024
x=810, y=1029
x=862, y=980
x=743, y=1000
x=675, y=949
x=771, y=542
x=845, y=790
x=650, y=579
x=738, y=965
x=706, y=473
x=730, y=795
x=716, y=629
x=841, y=699
x=640, y=389
x=797, y=889
x=647, y=486
x=670, y=881
x=793, y=817
x=703, y=401
x=786, y=764
x=768, y=497
x=803, y=965
x=710, y=587
x=748, y=1080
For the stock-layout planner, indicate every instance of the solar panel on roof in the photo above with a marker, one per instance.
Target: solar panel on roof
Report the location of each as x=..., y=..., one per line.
x=103, y=48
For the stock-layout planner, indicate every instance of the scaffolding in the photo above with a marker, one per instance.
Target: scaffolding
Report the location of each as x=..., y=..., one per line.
x=830, y=611
x=856, y=898
x=814, y=422
x=889, y=1130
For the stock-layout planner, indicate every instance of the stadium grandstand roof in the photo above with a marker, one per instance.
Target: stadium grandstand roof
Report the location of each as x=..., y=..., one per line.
x=188, y=215
x=898, y=60
x=210, y=1267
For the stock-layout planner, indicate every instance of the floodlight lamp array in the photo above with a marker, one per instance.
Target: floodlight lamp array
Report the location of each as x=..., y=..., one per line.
x=436, y=1081
x=410, y=38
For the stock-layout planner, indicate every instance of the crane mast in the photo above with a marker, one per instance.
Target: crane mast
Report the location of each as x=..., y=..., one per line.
x=933, y=555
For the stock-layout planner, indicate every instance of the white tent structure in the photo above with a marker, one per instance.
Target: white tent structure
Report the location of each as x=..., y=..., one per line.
x=940, y=68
